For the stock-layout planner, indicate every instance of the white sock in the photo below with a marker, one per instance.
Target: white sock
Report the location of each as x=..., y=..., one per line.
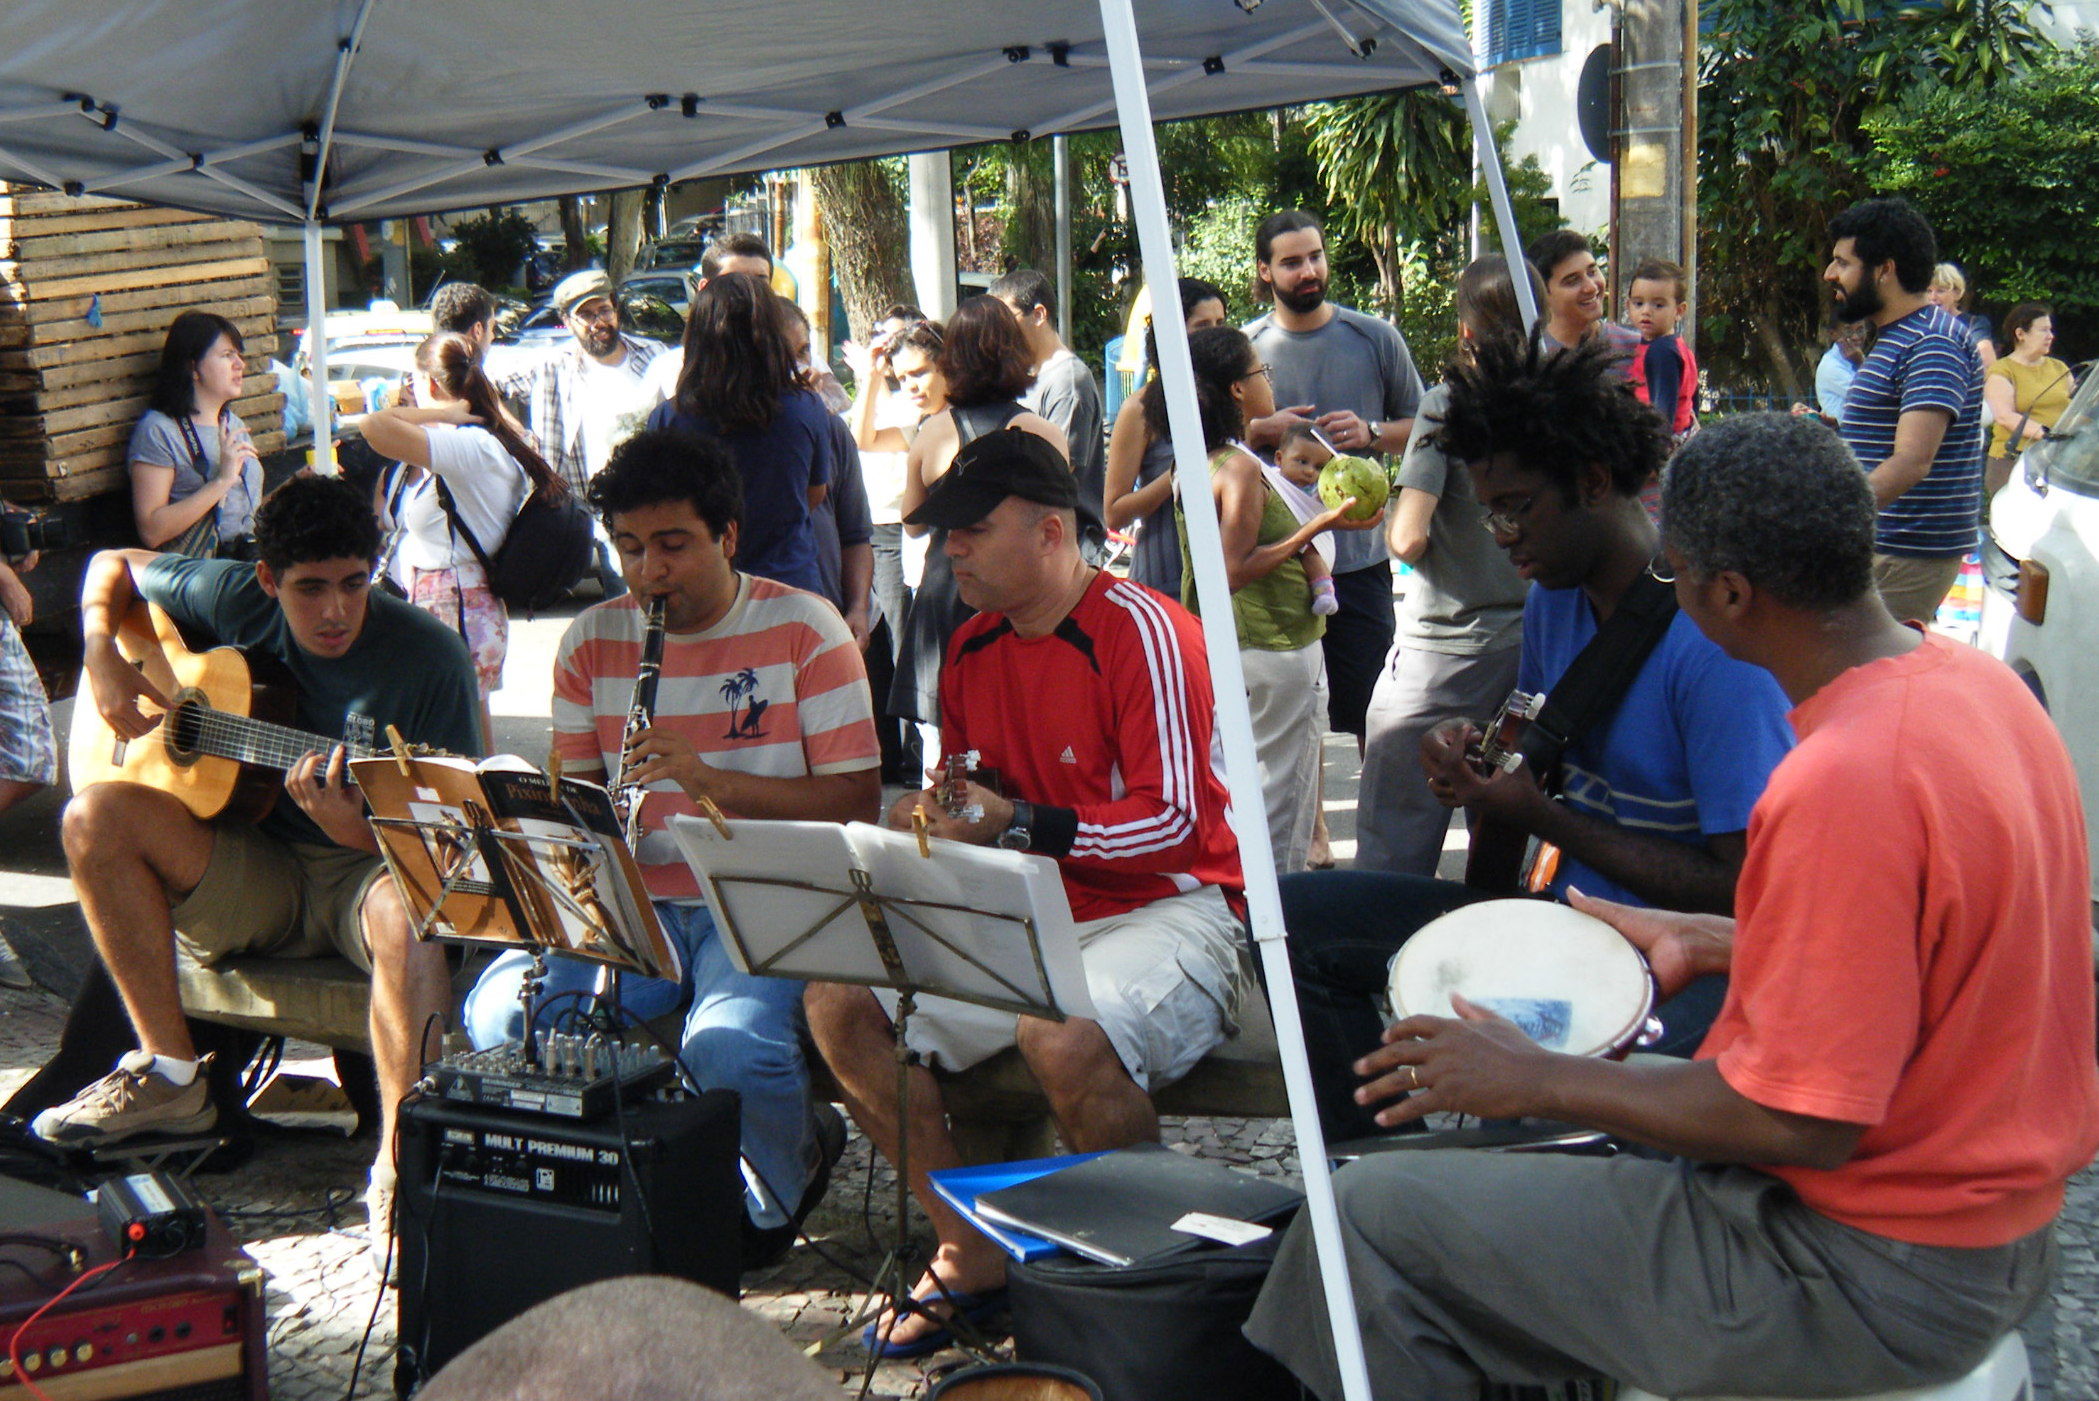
x=179, y=1073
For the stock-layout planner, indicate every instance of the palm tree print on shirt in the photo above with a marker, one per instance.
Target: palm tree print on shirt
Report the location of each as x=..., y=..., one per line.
x=734, y=690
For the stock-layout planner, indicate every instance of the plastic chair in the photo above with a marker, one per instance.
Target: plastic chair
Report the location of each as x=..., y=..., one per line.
x=2002, y=1376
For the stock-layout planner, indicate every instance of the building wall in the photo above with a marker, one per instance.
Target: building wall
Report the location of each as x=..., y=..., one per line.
x=1539, y=95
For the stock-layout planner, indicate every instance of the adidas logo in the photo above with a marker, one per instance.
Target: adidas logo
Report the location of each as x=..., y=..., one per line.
x=1067, y=757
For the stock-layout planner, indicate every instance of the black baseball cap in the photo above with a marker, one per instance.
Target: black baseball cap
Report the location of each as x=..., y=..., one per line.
x=988, y=469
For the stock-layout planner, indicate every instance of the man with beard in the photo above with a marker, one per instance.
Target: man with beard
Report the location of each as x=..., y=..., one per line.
x=1914, y=412
x=574, y=399
x=1351, y=377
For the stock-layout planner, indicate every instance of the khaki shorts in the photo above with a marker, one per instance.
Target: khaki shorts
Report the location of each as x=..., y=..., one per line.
x=1913, y=589
x=279, y=899
x=1165, y=979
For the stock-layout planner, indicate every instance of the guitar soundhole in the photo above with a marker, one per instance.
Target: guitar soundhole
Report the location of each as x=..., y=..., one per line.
x=184, y=728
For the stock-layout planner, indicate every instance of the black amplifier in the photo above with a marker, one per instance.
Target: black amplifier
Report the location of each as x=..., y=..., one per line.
x=499, y=1210
x=189, y=1328
x=573, y=1076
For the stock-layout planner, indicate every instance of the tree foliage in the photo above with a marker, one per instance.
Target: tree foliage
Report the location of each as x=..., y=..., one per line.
x=2010, y=182
x=1785, y=96
x=495, y=244
x=1397, y=169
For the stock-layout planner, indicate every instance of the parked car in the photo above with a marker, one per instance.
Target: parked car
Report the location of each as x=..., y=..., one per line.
x=2040, y=604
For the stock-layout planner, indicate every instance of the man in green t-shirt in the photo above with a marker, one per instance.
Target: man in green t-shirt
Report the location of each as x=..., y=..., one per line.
x=305, y=882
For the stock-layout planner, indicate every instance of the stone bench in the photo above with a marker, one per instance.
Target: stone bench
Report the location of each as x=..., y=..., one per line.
x=997, y=1111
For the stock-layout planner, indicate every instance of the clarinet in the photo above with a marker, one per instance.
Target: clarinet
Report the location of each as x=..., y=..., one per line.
x=641, y=713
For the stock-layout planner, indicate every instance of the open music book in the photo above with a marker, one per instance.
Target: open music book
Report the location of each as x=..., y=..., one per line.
x=858, y=904
x=527, y=864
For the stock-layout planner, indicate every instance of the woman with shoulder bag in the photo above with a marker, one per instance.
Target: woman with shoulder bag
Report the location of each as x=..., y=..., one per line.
x=472, y=469
x=2027, y=389
x=195, y=474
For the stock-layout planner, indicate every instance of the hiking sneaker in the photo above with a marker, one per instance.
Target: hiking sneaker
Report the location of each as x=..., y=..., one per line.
x=380, y=1246
x=130, y=1101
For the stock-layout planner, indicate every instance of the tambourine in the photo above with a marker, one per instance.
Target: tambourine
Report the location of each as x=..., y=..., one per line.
x=1570, y=981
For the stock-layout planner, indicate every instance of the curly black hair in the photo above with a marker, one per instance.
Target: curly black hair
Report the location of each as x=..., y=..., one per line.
x=1221, y=356
x=661, y=465
x=311, y=519
x=1779, y=499
x=1556, y=411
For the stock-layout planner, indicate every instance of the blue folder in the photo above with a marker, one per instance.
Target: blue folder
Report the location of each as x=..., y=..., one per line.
x=960, y=1188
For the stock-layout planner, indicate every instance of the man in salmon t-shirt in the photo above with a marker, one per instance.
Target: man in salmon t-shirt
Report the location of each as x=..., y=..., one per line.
x=1874, y=1139
x=1090, y=695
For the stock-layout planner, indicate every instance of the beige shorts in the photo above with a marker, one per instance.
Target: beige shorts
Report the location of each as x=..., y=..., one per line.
x=263, y=895
x=1165, y=979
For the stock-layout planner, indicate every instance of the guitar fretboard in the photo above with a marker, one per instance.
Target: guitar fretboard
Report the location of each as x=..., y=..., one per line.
x=203, y=729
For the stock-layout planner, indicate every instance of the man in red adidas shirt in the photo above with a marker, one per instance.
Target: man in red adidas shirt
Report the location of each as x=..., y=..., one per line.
x=1091, y=697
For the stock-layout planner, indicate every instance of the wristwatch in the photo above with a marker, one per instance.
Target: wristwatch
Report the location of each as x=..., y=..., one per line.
x=1019, y=834
x=1376, y=429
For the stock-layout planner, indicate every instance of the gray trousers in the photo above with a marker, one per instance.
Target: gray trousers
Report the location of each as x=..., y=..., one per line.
x=1399, y=824
x=1682, y=1279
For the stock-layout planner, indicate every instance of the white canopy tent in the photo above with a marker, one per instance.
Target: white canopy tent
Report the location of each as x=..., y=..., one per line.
x=330, y=111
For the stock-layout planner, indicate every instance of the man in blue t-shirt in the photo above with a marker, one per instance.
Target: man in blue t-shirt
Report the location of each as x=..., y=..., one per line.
x=1913, y=414
x=305, y=882
x=1655, y=799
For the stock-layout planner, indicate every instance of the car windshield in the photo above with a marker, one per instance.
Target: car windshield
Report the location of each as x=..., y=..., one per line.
x=2070, y=456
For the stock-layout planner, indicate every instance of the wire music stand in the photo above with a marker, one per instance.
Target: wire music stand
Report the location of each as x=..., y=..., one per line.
x=881, y=909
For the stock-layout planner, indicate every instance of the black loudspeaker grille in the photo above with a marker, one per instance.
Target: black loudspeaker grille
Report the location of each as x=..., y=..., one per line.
x=498, y=1211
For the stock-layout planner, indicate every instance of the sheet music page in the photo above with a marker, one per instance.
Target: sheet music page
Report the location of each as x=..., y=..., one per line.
x=968, y=949
x=754, y=881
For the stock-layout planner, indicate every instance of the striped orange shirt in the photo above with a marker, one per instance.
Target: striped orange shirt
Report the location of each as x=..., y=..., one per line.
x=776, y=689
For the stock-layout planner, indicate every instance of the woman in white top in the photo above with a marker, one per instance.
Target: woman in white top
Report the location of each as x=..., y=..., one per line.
x=195, y=474
x=461, y=443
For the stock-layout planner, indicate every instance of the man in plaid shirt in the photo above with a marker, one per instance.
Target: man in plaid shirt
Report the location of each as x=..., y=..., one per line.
x=574, y=400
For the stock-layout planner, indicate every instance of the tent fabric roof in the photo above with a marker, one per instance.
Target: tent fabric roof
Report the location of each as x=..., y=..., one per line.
x=222, y=105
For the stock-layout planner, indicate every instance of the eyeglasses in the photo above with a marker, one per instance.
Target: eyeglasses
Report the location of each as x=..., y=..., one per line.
x=607, y=312
x=1660, y=570
x=1264, y=371
x=1509, y=521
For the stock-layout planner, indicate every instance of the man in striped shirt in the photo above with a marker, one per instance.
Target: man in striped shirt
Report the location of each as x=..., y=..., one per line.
x=763, y=708
x=1091, y=698
x=1913, y=415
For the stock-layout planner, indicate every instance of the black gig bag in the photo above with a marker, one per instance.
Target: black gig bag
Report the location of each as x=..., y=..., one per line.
x=1162, y=1332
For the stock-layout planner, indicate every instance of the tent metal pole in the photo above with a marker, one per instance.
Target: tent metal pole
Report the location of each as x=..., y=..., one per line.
x=319, y=398
x=1060, y=165
x=1192, y=472
x=345, y=55
x=1498, y=193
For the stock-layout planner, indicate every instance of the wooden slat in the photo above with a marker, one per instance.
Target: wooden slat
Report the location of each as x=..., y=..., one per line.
x=57, y=342
x=78, y=361
x=87, y=220
x=57, y=435
x=30, y=244
x=199, y=291
x=117, y=281
x=153, y=256
x=126, y=375
x=34, y=199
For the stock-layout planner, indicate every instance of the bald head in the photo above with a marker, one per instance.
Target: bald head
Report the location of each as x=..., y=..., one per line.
x=641, y=1338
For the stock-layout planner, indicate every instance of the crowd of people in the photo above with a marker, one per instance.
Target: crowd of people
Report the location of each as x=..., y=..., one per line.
x=853, y=586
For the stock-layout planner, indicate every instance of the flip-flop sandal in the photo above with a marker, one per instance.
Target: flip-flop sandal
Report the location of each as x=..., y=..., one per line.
x=970, y=1308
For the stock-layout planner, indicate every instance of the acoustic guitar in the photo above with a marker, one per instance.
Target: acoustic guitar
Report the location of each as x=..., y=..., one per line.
x=1500, y=856
x=222, y=749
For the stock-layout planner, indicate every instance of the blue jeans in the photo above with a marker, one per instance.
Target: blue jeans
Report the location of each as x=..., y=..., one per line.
x=1344, y=927
x=742, y=1033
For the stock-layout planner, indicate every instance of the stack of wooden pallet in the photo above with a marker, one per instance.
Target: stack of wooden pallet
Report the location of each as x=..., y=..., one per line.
x=87, y=289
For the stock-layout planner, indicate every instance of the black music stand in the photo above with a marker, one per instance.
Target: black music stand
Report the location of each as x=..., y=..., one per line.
x=821, y=902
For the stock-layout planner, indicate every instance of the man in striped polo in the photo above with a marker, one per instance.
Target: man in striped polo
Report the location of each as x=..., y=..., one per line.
x=763, y=708
x=1090, y=696
x=1913, y=416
